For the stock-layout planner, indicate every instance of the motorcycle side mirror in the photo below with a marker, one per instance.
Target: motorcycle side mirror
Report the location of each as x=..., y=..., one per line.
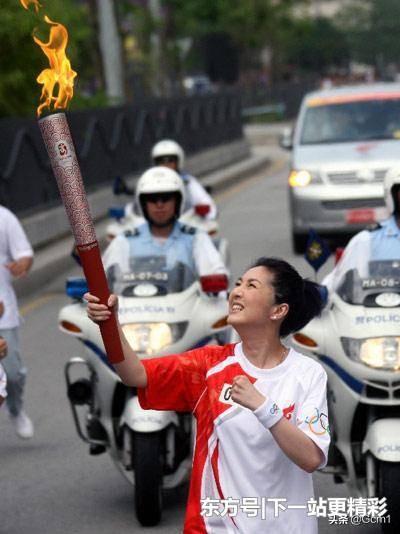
x=117, y=212
x=202, y=209
x=214, y=283
x=75, y=288
x=120, y=187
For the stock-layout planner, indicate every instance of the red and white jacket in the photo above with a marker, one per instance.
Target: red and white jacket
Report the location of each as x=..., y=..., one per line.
x=235, y=456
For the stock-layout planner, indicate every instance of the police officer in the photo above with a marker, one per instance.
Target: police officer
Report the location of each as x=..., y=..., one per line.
x=379, y=243
x=160, y=196
x=169, y=154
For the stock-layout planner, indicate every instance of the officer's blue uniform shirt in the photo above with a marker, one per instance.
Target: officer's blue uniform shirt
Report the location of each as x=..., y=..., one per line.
x=385, y=241
x=185, y=244
x=382, y=243
x=178, y=247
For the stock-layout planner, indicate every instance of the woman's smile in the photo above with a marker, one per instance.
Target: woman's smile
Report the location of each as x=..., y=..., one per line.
x=236, y=307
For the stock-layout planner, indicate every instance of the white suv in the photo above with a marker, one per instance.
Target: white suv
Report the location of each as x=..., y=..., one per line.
x=344, y=142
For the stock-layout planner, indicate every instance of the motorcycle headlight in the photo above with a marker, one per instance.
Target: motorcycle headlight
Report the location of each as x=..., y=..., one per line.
x=150, y=338
x=302, y=178
x=377, y=352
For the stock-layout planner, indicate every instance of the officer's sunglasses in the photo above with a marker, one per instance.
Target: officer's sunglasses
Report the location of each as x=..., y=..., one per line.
x=159, y=197
x=165, y=159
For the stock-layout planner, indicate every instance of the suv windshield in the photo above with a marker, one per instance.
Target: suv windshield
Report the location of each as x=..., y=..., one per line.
x=379, y=287
x=351, y=121
x=150, y=277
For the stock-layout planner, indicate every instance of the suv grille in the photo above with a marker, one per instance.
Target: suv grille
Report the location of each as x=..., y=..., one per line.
x=356, y=177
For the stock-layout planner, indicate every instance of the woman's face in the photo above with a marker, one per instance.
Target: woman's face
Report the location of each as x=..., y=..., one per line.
x=252, y=301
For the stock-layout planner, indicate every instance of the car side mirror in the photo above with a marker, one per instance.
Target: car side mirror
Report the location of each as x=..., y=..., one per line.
x=286, y=139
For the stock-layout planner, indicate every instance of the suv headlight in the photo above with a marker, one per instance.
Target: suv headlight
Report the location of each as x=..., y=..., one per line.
x=302, y=178
x=150, y=338
x=377, y=352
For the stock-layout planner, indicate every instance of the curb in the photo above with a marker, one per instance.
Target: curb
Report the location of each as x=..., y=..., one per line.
x=55, y=258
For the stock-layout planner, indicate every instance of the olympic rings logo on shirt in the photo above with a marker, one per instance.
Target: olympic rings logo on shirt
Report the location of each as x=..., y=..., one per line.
x=274, y=408
x=313, y=421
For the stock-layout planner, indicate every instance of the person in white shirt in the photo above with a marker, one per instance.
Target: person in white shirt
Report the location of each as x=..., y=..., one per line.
x=16, y=258
x=261, y=409
x=379, y=243
x=160, y=195
x=3, y=354
x=170, y=154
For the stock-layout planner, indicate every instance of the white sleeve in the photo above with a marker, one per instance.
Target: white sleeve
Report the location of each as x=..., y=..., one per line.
x=3, y=382
x=356, y=256
x=198, y=195
x=312, y=415
x=18, y=243
x=117, y=253
x=206, y=257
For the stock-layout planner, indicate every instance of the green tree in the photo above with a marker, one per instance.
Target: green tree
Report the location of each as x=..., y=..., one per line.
x=21, y=60
x=373, y=29
x=314, y=45
x=251, y=25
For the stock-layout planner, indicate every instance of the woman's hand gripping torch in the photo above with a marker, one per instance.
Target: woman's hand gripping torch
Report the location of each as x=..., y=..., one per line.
x=59, y=145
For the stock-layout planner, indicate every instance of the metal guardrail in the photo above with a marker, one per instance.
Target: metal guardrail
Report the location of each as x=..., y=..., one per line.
x=110, y=142
x=277, y=109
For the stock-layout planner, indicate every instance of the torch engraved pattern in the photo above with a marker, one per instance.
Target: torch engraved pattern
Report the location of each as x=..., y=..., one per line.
x=60, y=147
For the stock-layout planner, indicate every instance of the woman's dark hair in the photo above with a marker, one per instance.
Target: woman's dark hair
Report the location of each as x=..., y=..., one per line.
x=302, y=296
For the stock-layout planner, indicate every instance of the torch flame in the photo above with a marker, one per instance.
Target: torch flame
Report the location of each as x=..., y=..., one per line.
x=60, y=71
x=27, y=3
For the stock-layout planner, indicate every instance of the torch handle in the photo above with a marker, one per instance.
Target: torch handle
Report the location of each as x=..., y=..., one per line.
x=97, y=282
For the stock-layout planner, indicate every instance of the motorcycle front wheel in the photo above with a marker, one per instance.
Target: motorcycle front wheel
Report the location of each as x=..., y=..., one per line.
x=147, y=466
x=389, y=487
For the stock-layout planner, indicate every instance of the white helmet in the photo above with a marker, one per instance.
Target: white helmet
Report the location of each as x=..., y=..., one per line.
x=392, y=178
x=159, y=180
x=168, y=147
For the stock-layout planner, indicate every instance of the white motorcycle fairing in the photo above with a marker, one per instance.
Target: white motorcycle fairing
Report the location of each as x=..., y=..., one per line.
x=383, y=440
x=141, y=420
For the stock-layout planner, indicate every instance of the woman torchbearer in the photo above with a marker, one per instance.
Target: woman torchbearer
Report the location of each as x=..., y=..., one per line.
x=260, y=407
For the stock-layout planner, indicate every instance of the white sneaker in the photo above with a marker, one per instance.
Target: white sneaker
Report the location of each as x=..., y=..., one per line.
x=23, y=425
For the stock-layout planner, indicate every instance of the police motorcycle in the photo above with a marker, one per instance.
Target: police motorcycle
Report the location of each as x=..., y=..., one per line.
x=162, y=311
x=357, y=340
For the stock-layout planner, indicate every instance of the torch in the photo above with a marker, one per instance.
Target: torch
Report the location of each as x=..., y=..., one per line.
x=60, y=148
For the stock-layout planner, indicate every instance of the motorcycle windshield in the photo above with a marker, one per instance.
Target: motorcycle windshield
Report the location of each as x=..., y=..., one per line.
x=150, y=277
x=378, y=286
